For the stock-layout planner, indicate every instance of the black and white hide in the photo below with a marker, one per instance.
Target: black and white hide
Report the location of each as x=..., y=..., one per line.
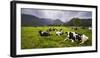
x=78, y=37
x=73, y=36
x=70, y=36
x=44, y=33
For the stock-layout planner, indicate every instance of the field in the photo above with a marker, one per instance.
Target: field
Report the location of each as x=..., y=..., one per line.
x=30, y=38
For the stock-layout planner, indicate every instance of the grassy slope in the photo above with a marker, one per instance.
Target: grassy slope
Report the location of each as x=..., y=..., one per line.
x=31, y=39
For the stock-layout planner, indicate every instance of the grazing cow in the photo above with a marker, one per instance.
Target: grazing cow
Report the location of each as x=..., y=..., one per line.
x=52, y=29
x=44, y=33
x=74, y=28
x=59, y=33
x=49, y=29
x=61, y=30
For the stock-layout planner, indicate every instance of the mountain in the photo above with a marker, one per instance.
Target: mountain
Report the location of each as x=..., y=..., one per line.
x=57, y=22
x=86, y=22
x=31, y=20
x=83, y=22
x=47, y=21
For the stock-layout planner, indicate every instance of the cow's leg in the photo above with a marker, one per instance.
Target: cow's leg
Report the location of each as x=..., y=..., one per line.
x=66, y=38
x=82, y=41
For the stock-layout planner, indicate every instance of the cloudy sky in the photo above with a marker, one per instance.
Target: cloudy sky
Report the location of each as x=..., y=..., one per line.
x=63, y=15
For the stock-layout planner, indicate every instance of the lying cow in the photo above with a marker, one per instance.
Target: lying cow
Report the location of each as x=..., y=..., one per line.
x=84, y=38
x=73, y=36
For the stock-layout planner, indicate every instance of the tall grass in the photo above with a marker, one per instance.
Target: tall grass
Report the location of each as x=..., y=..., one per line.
x=30, y=38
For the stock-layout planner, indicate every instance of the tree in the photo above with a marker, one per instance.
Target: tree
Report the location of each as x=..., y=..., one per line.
x=76, y=22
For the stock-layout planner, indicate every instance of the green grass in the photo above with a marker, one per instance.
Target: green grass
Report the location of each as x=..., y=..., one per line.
x=30, y=38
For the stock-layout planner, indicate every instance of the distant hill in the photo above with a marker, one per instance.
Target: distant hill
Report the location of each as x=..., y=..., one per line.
x=47, y=21
x=57, y=22
x=31, y=20
x=27, y=20
x=83, y=22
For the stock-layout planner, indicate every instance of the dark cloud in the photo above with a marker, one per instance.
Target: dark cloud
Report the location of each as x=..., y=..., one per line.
x=63, y=15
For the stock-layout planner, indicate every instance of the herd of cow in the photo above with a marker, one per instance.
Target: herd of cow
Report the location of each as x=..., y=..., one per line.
x=73, y=36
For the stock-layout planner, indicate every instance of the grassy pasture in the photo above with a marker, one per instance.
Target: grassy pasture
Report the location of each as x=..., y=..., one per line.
x=30, y=38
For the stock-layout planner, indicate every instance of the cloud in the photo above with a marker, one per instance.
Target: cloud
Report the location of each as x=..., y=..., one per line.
x=63, y=15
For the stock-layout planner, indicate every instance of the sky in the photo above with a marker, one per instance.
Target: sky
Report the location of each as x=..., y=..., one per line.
x=63, y=15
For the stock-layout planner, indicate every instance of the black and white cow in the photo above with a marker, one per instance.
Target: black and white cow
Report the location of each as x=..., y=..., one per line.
x=44, y=33
x=73, y=36
x=60, y=32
